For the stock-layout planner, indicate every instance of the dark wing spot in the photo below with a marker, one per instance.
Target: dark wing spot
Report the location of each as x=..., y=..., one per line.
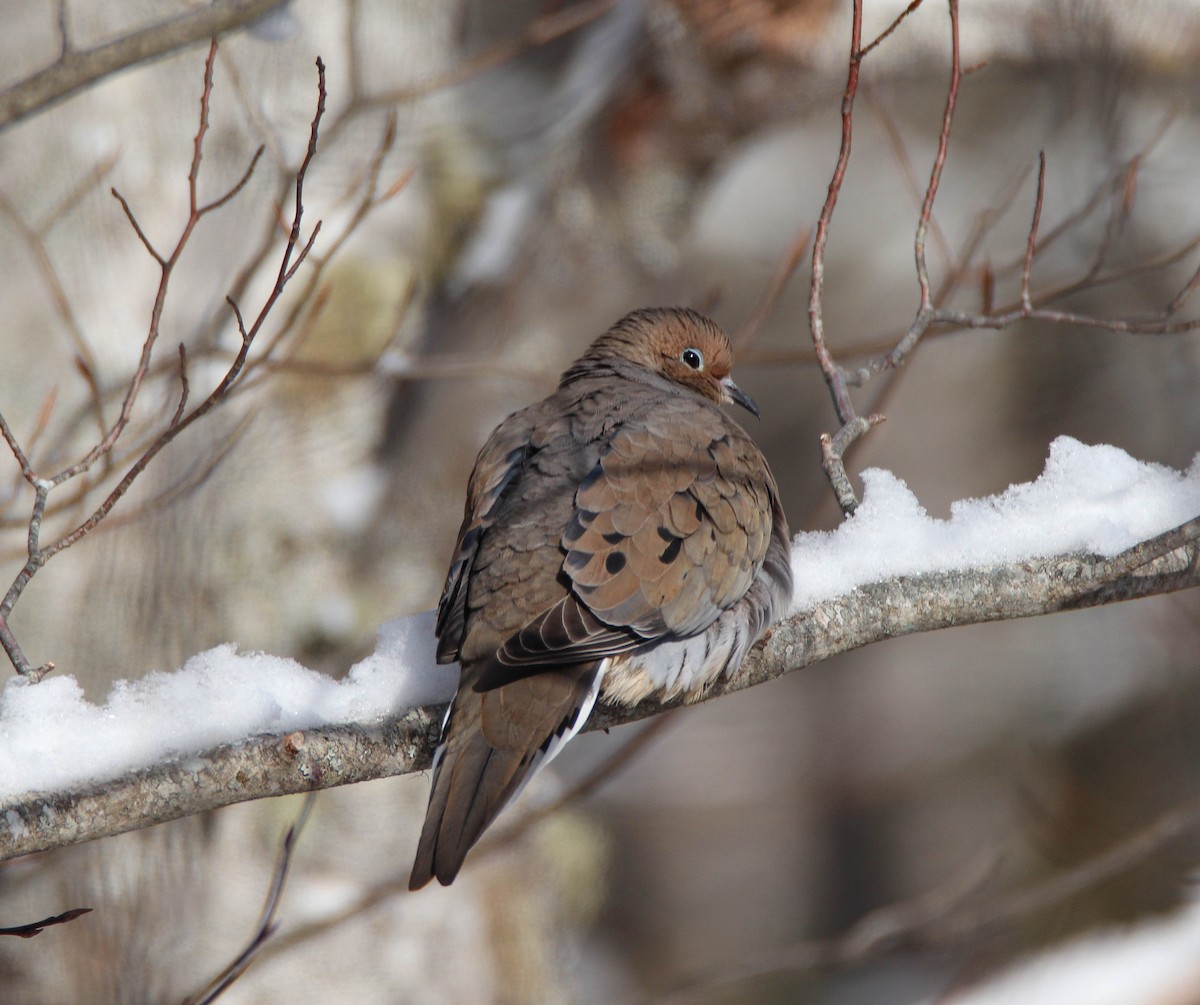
x=578, y=524
x=614, y=537
x=577, y=559
x=614, y=563
x=671, y=551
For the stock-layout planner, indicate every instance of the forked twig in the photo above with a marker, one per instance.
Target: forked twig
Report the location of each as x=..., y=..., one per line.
x=294, y=253
x=931, y=311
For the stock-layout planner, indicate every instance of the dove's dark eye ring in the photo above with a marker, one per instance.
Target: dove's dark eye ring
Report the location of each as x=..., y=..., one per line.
x=693, y=358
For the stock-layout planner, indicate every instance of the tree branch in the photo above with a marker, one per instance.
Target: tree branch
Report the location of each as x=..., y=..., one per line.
x=949, y=916
x=294, y=254
x=272, y=765
x=76, y=69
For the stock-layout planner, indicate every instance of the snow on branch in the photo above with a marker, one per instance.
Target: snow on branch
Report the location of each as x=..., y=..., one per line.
x=1095, y=528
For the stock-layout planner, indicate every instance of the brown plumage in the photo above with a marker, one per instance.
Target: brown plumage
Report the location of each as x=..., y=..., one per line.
x=622, y=537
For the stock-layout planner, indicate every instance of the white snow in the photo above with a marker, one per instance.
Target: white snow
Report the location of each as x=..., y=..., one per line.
x=1089, y=499
x=1092, y=499
x=1155, y=961
x=51, y=737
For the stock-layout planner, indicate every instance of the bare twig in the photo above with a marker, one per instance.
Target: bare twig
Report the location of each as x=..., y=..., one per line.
x=939, y=164
x=538, y=33
x=853, y=426
x=77, y=69
x=398, y=885
x=85, y=359
x=294, y=253
x=266, y=922
x=834, y=376
x=931, y=311
x=1031, y=242
x=788, y=264
x=37, y=927
x=887, y=32
x=959, y=914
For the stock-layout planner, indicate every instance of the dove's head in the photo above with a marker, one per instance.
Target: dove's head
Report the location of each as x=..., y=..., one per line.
x=679, y=344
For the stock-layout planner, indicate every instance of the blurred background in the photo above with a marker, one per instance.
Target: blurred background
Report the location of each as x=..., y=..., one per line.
x=498, y=181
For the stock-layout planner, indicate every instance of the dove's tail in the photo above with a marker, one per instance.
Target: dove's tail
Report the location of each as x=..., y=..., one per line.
x=492, y=743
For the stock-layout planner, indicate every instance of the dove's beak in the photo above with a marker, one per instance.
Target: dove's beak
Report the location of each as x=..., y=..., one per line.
x=740, y=397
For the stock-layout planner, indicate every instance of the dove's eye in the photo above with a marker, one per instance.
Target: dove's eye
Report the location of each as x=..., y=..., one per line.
x=693, y=358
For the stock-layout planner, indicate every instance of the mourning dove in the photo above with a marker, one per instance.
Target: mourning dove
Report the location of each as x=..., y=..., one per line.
x=622, y=538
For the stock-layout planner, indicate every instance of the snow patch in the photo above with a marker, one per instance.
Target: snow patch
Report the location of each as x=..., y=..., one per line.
x=52, y=737
x=1089, y=499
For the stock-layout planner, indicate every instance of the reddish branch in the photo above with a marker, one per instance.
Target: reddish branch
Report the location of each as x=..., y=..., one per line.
x=853, y=425
x=930, y=311
x=753, y=324
x=294, y=253
x=85, y=360
x=76, y=69
x=267, y=925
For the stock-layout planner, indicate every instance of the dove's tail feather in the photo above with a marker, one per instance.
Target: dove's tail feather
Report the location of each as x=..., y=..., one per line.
x=485, y=759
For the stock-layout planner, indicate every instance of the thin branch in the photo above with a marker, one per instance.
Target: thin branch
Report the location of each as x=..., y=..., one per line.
x=896, y=356
x=1031, y=241
x=853, y=426
x=37, y=927
x=270, y=361
x=64, y=34
x=887, y=32
x=398, y=885
x=77, y=69
x=939, y=161
x=237, y=186
x=183, y=387
x=266, y=923
x=950, y=917
x=833, y=373
x=538, y=33
x=291, y=259
x=27, y=471
x=753, y=325
x=137, y=228
x=86, y=360
x=225, y=385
